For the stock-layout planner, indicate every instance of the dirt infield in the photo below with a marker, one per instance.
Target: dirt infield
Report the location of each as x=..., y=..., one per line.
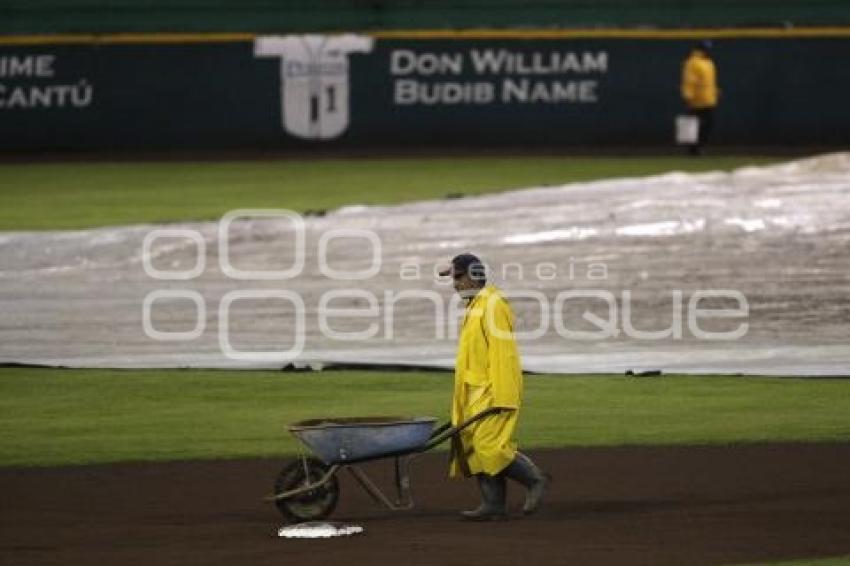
x=671, y=505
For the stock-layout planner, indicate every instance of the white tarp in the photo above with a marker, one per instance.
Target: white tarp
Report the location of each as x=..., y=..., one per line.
x=778, y=235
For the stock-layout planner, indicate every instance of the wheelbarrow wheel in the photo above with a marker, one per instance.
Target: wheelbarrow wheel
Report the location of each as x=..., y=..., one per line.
x=312, y=505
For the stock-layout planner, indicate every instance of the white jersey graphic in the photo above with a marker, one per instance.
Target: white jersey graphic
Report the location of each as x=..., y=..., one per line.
x=313, y=80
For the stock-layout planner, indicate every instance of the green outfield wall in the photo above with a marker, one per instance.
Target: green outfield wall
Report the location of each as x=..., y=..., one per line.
x=545, y=88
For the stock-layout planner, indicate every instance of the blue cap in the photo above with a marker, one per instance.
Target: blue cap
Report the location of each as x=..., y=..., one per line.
x=466, y=263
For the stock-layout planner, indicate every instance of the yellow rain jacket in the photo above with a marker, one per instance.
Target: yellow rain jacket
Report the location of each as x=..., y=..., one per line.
x=487, y=374
x=699, y=81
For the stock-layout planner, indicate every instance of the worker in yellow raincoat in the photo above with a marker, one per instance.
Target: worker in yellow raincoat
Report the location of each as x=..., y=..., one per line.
x=488, y=374
x=700, y=92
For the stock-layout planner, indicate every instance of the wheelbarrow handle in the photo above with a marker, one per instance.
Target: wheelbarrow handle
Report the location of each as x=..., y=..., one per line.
x=440, y=430
x=447, y=431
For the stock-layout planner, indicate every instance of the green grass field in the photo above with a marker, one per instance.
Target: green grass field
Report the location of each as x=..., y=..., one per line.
x=54, y=417
x=51, y=196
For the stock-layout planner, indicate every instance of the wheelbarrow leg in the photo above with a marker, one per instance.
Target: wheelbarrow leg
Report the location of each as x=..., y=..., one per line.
x=404, y=499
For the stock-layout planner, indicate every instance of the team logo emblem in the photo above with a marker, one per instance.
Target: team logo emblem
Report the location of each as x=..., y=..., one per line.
x=314, y=85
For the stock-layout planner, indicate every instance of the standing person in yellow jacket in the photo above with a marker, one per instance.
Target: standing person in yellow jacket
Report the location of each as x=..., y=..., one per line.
x=488, y=375
x=699, y=91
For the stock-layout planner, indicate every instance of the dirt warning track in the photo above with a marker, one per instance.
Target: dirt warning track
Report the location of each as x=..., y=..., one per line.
x=661, y=505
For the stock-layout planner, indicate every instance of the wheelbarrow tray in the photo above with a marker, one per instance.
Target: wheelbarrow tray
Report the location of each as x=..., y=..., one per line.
x=351, y=440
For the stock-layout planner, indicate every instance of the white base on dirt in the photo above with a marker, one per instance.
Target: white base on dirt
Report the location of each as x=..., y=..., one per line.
x=319, y=529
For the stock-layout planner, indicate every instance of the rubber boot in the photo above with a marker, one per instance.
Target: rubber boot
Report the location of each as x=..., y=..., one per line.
x=523, y=470
x=493, y=493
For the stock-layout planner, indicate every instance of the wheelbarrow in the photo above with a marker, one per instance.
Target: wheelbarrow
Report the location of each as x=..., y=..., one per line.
x=307, y=489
